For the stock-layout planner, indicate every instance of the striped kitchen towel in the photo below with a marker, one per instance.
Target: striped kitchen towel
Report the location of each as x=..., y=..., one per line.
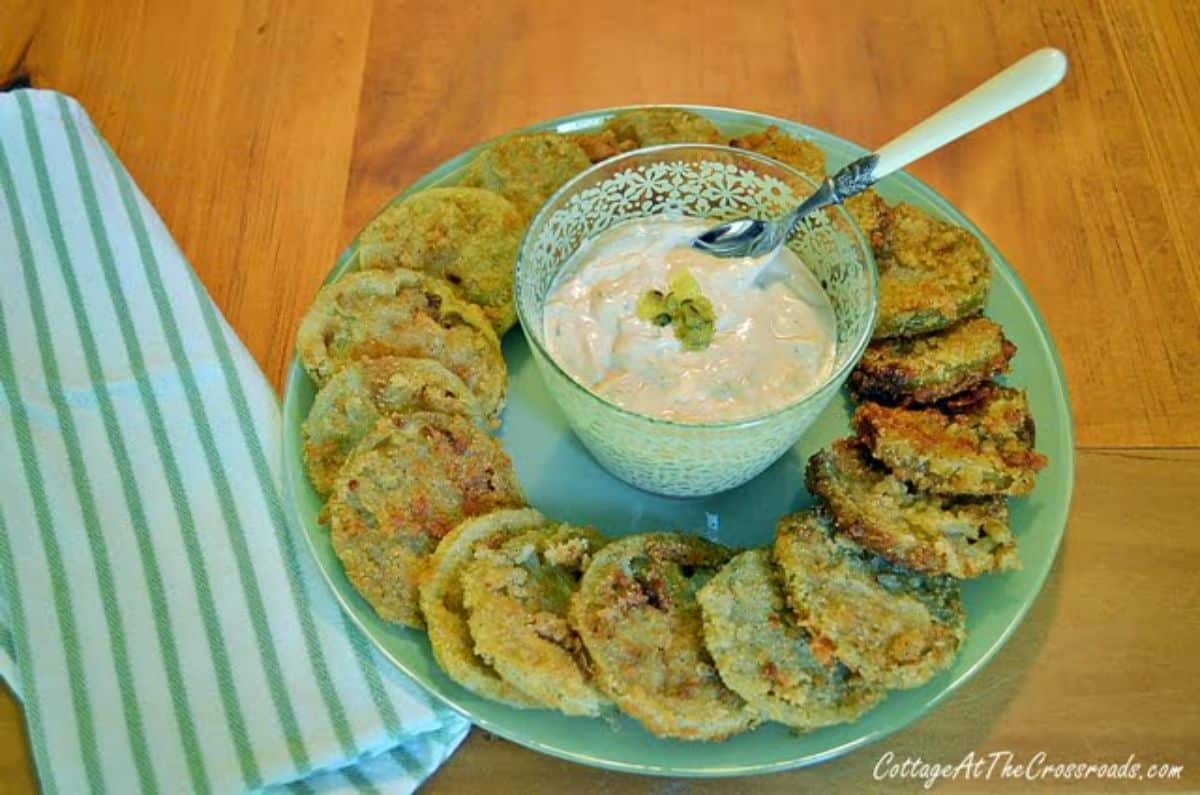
x=159, y=618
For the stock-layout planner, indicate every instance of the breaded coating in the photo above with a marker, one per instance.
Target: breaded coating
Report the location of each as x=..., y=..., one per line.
x=924, y=370
x=804, y=156
x=517, y=597
x=985, y=450
x=602, y=144
x=635, y=129
x=361, y=393
x=467, y=236
x=930, y=533
x=442, y=602
x=872, y=214
x=894, y=627
x=637, y=615
x=526, y=169
x=372, y=314
x=411, y=479
x=931, y=274
x=766, y=658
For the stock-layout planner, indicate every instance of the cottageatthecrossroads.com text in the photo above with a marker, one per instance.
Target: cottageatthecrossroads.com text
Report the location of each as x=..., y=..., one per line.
x=1004, y=765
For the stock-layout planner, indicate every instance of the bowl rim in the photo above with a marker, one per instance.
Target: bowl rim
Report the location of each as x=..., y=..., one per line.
x=835, y=376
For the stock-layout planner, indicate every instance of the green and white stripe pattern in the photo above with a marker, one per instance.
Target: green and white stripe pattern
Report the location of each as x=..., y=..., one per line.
x=159, y=618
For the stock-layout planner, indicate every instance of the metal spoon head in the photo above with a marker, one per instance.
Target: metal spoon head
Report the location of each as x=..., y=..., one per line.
x=744, y=237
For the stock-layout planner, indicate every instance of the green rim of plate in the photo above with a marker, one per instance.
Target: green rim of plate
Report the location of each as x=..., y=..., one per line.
x=551, y=465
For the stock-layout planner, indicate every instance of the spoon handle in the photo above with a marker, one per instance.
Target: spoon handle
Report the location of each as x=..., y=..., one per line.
x=1029, y=77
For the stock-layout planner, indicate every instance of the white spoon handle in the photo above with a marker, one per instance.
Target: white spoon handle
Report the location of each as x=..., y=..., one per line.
x=1029, y=77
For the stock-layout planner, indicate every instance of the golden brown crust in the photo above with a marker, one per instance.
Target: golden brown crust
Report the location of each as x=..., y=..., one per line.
x=467, y=236
x=371, y=314
x=411, y=479
x=635, y=129
x=804, y=156
x=603, y=144
x=895, y=627
x=931, y=274
x=932, y=368
x=517, y=596
x=526, y=169
x=441, y=600
x=637, y=615
x=872, y=214
x=766, y=658
x=985, y=450
x=934, y=534
x=355, y=399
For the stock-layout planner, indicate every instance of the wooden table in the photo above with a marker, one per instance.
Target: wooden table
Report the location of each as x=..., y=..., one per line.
x=267, y=132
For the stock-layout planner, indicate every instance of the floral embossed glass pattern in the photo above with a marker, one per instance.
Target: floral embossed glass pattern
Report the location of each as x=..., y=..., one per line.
x=716, y=183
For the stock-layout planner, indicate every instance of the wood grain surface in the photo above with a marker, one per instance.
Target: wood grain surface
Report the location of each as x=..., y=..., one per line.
x=267, y=132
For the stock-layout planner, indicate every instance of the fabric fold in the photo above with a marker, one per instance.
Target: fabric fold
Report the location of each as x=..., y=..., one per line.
x=161, y=620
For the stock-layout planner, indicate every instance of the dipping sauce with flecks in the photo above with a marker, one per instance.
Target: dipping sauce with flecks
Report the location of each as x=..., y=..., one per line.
x=773, y=338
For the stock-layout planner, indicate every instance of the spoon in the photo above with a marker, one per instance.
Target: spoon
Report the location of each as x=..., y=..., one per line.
x=1028, y=78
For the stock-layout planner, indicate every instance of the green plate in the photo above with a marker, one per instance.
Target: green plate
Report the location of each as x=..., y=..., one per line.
x=563, y=481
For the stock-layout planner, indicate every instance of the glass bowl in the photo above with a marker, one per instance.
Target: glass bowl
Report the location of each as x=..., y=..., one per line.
x=688, y=459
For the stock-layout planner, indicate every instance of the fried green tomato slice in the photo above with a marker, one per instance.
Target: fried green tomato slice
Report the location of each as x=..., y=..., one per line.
x=635, y=129
x=931, y=274
x=930, y=533
x=765, y=657
x=467, y=236
x=637, y=615
x=372, y=314
x=924, y=370
x=526, y=169
x=361, y=393
x=517, y=597
x=804, y=156
x=894, y=627
x=985, y=450
x=411, y=479
x=442, y=602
